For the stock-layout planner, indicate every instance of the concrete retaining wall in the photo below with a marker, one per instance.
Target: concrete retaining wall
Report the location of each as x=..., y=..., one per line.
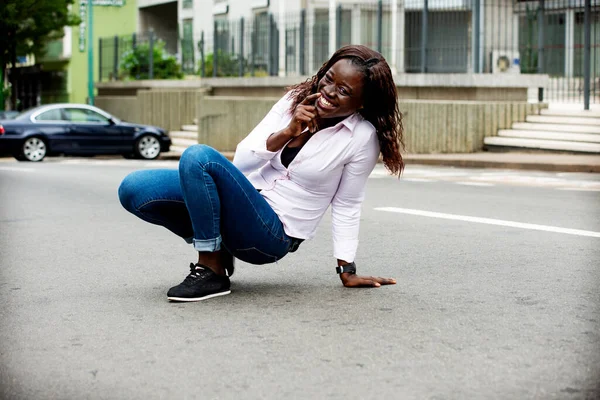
x=126, y=108
x=429, y=126
x=458, y=126
x=224, y=121
x=167, y=109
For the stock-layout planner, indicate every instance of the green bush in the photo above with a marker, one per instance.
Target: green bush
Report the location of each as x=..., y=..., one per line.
x=529, y=61
x=227, y=65
x=258, y=73
x=135, y=63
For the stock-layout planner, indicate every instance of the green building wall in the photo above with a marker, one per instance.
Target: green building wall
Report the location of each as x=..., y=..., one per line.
x=109, y=20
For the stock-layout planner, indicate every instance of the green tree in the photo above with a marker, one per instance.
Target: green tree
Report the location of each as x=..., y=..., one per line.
x=25, y=28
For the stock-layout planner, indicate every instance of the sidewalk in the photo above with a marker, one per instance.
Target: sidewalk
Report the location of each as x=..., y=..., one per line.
x=511, y=160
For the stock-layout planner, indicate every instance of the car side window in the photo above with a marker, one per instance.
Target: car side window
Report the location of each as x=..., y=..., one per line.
x=84, y=115
x=50, y=115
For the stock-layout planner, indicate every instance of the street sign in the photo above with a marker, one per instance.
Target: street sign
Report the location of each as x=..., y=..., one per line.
x=83, y=12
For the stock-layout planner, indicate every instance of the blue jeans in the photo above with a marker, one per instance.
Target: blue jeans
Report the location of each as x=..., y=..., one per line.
x=209, y=203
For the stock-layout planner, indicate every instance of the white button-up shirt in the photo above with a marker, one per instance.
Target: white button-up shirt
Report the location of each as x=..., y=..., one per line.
x=331, y=169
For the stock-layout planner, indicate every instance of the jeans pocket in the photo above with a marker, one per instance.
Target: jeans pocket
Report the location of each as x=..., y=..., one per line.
x=254, y=256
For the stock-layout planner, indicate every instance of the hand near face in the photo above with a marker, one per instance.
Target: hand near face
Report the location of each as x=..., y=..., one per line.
x=305, y=116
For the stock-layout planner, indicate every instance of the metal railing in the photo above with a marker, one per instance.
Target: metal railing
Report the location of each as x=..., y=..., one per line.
x=136, y=56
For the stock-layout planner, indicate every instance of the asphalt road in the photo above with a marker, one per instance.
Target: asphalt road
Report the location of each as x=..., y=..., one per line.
x=497, y=295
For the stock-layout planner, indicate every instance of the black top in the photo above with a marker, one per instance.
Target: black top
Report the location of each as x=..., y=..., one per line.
x=288, y=154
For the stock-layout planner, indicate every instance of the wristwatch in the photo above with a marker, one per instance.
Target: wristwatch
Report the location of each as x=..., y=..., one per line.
x=351, y=267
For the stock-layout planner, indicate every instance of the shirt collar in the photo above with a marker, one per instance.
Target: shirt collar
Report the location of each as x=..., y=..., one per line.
x=351, y=121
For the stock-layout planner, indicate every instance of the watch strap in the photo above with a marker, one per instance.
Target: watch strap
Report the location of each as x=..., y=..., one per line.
x=351, y=268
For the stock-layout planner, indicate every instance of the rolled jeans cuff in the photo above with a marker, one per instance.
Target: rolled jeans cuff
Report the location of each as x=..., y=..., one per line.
x=208, y=244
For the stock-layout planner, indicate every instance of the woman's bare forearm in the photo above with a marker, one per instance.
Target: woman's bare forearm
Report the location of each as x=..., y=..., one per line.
x=276, y=141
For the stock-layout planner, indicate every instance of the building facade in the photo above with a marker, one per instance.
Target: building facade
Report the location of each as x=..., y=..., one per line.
x=453, y=36
x=63, y=70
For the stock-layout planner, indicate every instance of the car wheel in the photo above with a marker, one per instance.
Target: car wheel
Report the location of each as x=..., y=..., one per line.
x=147, y=147
x=34, y=149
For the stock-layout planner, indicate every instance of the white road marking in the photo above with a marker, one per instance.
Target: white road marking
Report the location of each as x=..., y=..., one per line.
x=583, y=189
x=120, y=163
x=435, y=174
x=497, y=173
x=490, y=221
x=536, y=180
x=380, y=172
x=416, y=180
x=474, y=183
x=16, y=169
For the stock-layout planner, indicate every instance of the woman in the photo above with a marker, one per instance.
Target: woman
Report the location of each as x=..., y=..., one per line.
x=315, y=149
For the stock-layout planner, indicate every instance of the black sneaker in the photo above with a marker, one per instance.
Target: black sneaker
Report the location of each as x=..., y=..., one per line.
x=201, y=284
x=229, y=262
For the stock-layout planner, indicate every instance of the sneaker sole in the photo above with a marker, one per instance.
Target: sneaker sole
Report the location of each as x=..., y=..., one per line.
x=210, y=296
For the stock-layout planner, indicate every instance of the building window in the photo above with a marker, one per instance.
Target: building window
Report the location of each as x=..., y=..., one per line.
x=223, y=38
x=320, y=38
x=554, y=43
x=345, y=28
x=187, y=46
x=188, y=3
x=260, y=41
x=447, y=41
x=368, y=30
x=579, y=39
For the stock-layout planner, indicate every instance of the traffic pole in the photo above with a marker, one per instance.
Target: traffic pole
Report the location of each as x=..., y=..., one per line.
x=90, y=21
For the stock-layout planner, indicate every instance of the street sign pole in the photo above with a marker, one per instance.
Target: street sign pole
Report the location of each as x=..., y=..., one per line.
x=90, y=50
x=586, y=55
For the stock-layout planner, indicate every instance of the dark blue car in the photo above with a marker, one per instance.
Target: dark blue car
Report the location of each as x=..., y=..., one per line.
x=78, y=129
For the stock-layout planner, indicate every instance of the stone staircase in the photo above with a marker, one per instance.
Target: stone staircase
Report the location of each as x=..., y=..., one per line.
x=558, y=129
x=181, y=140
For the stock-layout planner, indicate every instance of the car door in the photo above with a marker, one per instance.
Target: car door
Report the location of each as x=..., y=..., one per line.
x=53, y=126
x=93, y=133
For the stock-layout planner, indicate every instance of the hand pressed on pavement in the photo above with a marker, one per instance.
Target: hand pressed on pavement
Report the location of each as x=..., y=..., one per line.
x=353, y=280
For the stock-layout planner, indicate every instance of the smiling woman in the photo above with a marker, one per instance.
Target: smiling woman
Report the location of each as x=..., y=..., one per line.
x=314, y=149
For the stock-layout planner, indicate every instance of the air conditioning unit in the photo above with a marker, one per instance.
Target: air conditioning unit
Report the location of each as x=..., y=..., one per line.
x=506, y=62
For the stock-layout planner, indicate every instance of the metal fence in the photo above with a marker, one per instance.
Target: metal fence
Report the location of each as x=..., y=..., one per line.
x=415, y=36
x=136, y=56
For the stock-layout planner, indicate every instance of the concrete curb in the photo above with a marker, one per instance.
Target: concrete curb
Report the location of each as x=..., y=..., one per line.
x=536, y=166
